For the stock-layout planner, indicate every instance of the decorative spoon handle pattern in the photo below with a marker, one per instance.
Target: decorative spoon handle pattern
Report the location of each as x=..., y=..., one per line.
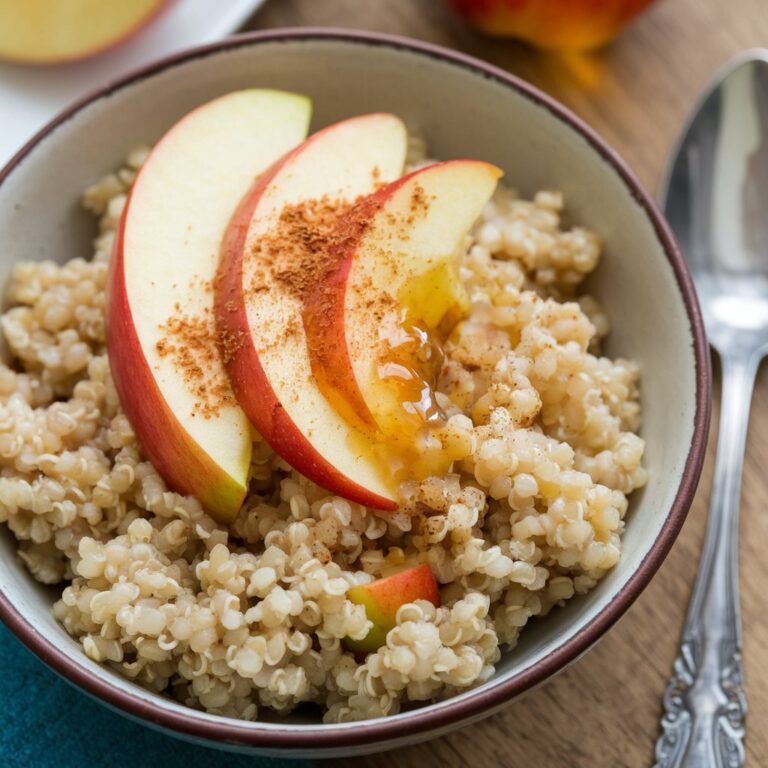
x=704, y=703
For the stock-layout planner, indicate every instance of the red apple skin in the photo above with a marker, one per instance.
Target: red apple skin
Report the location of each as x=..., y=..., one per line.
x=553, y=24
x=384, y=597
x=190, y=471
x=161, y=7
x=249, y=381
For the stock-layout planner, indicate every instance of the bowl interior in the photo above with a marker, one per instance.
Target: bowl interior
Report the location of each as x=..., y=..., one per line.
x=460, y=113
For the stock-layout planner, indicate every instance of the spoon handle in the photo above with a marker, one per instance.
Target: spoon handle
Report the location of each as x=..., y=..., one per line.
x=704, y=703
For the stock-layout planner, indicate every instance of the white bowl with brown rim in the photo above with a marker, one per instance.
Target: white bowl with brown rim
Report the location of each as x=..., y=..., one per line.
x=464, y=108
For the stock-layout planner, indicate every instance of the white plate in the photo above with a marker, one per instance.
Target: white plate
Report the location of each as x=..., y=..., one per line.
x=30, y=96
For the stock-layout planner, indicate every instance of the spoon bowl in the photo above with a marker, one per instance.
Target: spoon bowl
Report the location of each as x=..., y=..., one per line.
x=716, y=199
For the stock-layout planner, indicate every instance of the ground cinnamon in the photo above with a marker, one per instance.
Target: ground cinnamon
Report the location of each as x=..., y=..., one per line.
x=299, y=254
x=191, y=343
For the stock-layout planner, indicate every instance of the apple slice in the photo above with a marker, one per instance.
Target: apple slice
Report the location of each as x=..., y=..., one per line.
x=274, y=248
x=391, y=288
x=51, y=31
x=383, y=598
x=160, y=327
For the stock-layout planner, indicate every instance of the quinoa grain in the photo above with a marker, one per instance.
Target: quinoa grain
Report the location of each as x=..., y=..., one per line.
x=234, y=619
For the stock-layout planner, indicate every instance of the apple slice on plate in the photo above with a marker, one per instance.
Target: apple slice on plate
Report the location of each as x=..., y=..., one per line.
x=273, y=250
x=391, y=291
x=51, y=31
x=160, y=326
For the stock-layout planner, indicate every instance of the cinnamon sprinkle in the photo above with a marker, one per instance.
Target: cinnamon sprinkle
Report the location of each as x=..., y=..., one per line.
x=294, y=255
x=300, y=254
x=195, y=349
x=310, y=237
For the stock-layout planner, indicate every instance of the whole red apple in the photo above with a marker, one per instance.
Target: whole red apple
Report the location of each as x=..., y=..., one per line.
x=555, y=24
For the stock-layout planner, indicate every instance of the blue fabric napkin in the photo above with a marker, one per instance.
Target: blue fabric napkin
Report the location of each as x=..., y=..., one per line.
x=47, y=723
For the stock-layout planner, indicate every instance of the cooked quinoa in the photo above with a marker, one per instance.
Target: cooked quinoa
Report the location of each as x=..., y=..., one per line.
x=236, y=619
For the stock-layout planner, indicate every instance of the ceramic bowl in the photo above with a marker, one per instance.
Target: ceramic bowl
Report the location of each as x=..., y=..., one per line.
x=464, y=108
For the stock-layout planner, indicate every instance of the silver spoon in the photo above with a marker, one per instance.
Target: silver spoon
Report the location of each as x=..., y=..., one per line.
x=716, y=199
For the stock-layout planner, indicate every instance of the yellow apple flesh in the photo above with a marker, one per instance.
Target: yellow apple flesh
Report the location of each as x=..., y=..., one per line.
x=51, y=31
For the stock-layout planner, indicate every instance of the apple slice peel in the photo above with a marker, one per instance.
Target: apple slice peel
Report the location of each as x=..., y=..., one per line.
x=259, y=306
x=161, y=274
x=400, y=268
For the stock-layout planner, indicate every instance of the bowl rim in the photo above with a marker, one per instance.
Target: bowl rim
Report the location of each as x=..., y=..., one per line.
x=484, y=700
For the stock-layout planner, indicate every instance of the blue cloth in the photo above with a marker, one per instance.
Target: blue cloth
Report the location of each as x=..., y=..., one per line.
x=47, y=723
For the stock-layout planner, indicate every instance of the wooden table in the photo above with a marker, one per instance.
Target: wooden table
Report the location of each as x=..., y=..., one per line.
x=604, y=711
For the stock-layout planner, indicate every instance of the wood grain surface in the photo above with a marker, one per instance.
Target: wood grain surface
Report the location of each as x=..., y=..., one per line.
x=604, y=711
